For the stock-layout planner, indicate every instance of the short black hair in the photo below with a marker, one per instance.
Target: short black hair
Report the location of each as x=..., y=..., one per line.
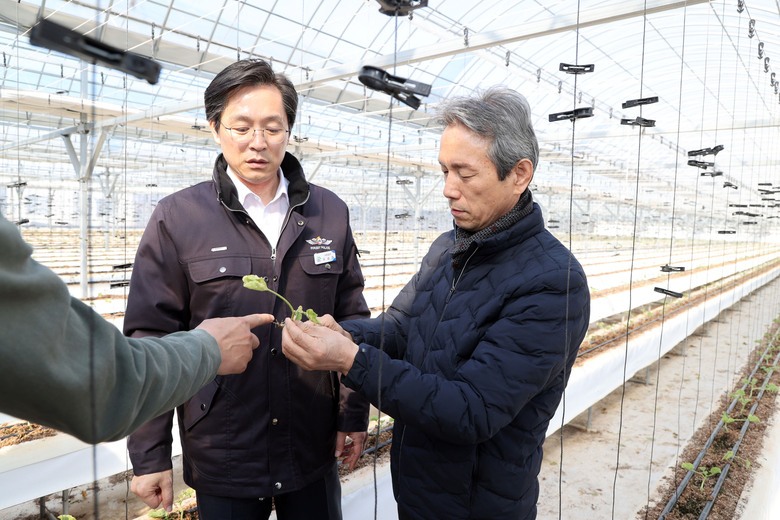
x=244, y=73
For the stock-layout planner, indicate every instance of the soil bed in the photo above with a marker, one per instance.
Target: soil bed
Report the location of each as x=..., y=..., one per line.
x=698, y=491
x=17, y=433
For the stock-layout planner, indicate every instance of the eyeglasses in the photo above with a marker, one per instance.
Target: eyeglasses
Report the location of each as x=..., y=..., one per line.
x=245, y=134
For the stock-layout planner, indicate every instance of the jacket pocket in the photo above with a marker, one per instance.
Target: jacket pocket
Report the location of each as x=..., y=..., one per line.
x=198, y=407
x=207, y=269
x=312, y=268
x=318, y=287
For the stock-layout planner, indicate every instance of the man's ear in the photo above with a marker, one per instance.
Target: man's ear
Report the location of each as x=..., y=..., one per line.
x=521, y=174
x=214, y=132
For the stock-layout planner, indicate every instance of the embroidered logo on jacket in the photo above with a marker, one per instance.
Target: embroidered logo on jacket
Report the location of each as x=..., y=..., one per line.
x=319, y=241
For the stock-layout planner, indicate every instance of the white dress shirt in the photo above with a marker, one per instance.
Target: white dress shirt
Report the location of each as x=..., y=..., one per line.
x=269, y=218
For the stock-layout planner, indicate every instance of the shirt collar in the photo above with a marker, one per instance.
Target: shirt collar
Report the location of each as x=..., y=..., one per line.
x=243, y=192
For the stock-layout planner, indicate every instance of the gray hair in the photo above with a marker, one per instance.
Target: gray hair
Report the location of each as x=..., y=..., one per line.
x=502, y=115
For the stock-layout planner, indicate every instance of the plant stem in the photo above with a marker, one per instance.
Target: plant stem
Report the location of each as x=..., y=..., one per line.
x=283, y=299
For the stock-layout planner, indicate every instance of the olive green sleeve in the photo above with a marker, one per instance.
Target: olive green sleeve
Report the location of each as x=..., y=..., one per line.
x=66, y=367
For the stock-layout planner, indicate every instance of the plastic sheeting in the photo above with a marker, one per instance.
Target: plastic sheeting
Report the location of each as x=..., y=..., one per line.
x=600, y=375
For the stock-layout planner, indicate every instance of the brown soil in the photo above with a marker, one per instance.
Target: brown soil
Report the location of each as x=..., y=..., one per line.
x=18, y=433
x=699, y=491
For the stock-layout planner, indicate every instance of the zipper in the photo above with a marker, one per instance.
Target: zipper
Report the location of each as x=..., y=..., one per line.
x=284, y=225
x=456, y=280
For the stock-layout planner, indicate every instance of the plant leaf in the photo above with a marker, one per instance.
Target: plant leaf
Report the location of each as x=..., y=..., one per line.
x=312, y=316
x=254, y=282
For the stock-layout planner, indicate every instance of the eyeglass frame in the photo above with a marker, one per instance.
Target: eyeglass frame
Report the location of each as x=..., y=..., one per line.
x=254, y=133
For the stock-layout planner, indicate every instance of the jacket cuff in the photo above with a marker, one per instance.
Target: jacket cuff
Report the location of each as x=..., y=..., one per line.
x=153, y=461
x=357, y=374
x=353, y=330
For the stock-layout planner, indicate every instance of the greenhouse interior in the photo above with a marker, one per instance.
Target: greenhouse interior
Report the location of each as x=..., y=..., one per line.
x=658, y=126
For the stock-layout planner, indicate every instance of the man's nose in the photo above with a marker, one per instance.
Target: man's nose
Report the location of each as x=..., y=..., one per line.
x=258, y=139
x=450, y=189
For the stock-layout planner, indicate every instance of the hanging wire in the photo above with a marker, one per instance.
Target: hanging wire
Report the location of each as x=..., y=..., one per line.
x=125, y=253
x=633, y=257
x=93, y=315
x=384, y=269
x=694, y=246
x=670, y=261
x=707, y=283
x=671, y=240
x=725, y=220
x=568, y=270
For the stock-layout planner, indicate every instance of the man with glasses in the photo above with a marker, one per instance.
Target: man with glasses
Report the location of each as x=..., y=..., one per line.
x=273, y=433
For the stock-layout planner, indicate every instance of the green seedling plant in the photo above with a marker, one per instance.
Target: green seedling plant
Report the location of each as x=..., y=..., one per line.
x=257, y=283
x=728, y=420
x=178, y=506
x=753, y=384
x=729, y=456
x=703, y=471
x=744, y=400
x=66, y=517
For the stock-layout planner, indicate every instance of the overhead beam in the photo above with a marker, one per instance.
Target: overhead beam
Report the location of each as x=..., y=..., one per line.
x=526, y=31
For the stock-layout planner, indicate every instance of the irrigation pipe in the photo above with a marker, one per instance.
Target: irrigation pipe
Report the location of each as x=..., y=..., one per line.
x=703, y=452
x=714, y=495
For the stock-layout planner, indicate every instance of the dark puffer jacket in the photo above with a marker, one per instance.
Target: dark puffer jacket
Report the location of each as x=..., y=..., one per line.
x=272, y=429
x=475, y=362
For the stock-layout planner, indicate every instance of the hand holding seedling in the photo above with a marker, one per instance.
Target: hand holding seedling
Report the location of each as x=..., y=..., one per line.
x=317, y=347
x=256, y=283
x=235, y=339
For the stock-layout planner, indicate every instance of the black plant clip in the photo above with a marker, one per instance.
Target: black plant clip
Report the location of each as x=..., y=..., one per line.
x=639, y=121
x=728, y=184
x=400, y=88
x=701, y=164
x=400, y=7
x=712, y=174
x=576, y=69
x=668, y=292
x=642, y=101
x=706, y=151
x=727, y=232
x=671, y=269
x=57, y=37
x=577, y=113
